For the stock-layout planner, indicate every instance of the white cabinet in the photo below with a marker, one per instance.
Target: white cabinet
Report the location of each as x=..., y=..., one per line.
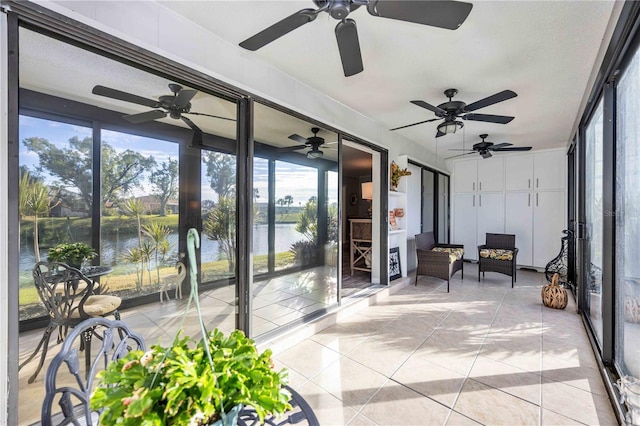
x=490, y=174
x=539, y=171
x=518, y=172
x=521, y=194
x=490, y=215
x=519, y=221
x=548, y=223
x=537, y=219
x=485, y=175
x=549, y=170
x=465, y=175
x=465, y=224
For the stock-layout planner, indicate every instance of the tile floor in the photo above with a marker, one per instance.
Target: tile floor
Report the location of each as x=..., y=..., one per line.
x=482, y=354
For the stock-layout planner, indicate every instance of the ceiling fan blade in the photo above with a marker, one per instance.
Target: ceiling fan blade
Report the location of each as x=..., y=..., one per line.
x=415, y=124
x=516, y=148
x=145, y=116
x=279, y=29
x=210, y=115
x=298, y=138
x=490, y=118
x=124, y=96
x=454, y=149
x=439, y=111
x=292, y=148
x=494, y=99
x=500, y=145
x=349, y=47
x=460, y=155
x=183, y=97
x=191, y=124
x=441, y=14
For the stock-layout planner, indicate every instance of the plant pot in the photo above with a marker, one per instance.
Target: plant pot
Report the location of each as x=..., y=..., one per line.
x=230, y=418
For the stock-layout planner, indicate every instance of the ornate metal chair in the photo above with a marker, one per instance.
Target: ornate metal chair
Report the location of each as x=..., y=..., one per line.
x=498, y=255
x=72, y=386
x=69, y=298
x=438, y=260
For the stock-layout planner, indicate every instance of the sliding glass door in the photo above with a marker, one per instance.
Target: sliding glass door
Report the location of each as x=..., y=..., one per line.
x=627, y=215
x=593, y=219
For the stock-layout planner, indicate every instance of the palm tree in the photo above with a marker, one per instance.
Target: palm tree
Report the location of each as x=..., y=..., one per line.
x=158, y=234
x=135, y=207
x=288, y=200
x=134, y=256
x=35, y=199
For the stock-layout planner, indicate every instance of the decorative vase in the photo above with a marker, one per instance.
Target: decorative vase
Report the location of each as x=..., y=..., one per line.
x=554, y=296
x=394, y=188
x=399, y=212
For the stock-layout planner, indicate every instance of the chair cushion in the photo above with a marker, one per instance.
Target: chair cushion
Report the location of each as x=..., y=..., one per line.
x=454, y=253
x=98, y=305
x=497, y=254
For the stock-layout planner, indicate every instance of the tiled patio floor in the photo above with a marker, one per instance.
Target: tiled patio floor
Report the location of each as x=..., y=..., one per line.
x=482, y=354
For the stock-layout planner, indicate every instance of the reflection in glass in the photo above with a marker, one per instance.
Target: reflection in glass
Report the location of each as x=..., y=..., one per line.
x=139, y=225
x=55, y=196
x=593, y=213
x=295, y=222
x=627, y=217
x=427, y=200
x=443, y=209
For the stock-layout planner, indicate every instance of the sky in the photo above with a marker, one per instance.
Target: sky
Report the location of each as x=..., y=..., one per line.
x=298, y=181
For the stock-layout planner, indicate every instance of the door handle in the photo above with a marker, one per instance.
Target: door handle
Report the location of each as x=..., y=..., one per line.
x=529, y=183
x=480, y=197
x=529, y=202
x=474, y=201
x=536, y=200
x=537, y=183
x=474, y=186
x=480, y=186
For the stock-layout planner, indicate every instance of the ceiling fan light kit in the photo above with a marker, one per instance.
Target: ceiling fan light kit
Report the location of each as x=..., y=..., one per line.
x=450, y=127
x=442, y=14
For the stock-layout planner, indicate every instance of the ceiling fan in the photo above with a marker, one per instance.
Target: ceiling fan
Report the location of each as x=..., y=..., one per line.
x=313, y=142
x=442, y=14
x=174, y=105
x=452, y=110
x=484, y=148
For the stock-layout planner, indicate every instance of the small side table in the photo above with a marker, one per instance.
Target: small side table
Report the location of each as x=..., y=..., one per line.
x=361, y=245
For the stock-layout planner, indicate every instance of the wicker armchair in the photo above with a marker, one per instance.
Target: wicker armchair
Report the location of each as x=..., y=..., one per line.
x=439, y=264
x=498, y=255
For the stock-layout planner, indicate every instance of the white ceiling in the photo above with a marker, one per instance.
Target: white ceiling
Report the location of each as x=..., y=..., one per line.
x=543, y=50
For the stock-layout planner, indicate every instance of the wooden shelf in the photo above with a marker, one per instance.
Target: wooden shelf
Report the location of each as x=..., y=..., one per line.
x=397, y=231
x=396, y=193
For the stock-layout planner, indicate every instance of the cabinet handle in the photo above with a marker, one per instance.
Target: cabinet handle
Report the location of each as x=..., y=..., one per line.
x=474, y=186
x=529, y=183
x=474, y=201
x=536, y=200
x=480, y=197
x=529, y=202
x=537, y=183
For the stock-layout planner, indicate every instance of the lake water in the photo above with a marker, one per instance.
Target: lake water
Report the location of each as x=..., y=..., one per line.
x=113, y=247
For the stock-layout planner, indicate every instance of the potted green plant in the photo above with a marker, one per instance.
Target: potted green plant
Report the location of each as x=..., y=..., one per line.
x=181, y=385
x=73, y=254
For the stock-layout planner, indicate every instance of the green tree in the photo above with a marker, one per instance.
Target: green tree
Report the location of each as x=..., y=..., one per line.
x=158, y=234
x=288, y=200
x=72, y=165
x=221, y=171
x=220, y=225
x=35, y=199
x=135, y=207
x=164, y=182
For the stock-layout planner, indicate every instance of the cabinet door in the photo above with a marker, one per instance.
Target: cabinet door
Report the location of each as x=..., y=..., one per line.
x=518, y=220
x=549, y=169
x=491, y=174
x=464, y=225
x=548, y=222
x=490, y=215
x=465, y=175
x=518, y=173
